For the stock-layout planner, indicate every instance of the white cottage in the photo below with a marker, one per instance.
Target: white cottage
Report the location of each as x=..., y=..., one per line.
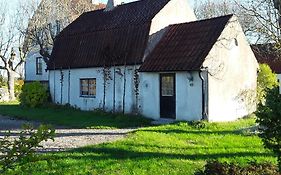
x=154, y=58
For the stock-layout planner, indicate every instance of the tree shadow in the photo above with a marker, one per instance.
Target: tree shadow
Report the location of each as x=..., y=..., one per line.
x=197, y=132
x=122, y=154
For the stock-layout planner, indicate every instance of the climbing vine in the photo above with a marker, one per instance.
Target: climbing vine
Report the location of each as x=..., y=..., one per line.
x=106, y=77
x=61, y=84
x=136, y=88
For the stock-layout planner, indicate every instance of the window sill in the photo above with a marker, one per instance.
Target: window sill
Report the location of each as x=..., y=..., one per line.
x=87, y=96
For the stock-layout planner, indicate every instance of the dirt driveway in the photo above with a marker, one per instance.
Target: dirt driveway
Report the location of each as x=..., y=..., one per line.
x=66, y=138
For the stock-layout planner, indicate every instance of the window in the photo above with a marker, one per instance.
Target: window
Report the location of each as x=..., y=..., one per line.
x=88, y=87
x=168, y=86
x=39, y=68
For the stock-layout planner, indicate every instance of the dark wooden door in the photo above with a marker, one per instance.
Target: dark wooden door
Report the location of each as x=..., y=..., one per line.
x=167, y=96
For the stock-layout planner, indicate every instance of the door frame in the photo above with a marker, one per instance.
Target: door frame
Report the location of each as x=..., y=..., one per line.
x=160, y=94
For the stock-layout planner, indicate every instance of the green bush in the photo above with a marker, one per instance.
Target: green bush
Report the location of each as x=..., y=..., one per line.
x=3, y=81
x=13, y=151
x=269, y=119
x=18, y=87
x=218, y=168
x=266, y=80
x=33, y=94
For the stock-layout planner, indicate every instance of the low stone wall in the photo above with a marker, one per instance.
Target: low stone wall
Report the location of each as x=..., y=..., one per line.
x=4, y=94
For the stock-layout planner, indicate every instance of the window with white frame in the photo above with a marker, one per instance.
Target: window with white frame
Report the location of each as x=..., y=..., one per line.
x=88, y=87
x=39, y=65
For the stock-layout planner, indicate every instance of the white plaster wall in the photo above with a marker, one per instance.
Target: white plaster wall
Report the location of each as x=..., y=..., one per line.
x=279, y=78
x=233, y=75
x=93, y=103
x=30, y=68
x=176, y=11
x=150, y=95
x=188, y=97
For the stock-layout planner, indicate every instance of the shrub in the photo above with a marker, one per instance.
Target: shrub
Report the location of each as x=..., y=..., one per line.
x=13, y=151
x=217, y=168
x=266, y=80
x=33, y=94
x=18, y=87
x=269, y=119
x=3, y=81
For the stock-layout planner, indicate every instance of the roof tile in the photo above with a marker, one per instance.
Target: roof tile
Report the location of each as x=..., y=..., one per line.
x=185, y=46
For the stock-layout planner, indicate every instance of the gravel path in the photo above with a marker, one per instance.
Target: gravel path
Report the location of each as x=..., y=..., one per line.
x=66, y=138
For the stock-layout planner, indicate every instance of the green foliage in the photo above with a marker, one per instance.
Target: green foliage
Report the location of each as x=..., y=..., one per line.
x=33, y=94
x=3, y=81
x=266, y=80
x=218, y=168
x=198, y=124
x=18, y=87
x=13, y=151
x=269, y=119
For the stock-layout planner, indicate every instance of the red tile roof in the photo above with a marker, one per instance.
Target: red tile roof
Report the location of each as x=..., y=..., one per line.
x=185, y=46
x=266, y=54
x=96, y=37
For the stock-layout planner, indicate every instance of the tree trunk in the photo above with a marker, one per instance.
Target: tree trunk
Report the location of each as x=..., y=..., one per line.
x=11, y=84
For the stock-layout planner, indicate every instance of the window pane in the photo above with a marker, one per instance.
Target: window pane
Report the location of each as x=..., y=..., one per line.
x=84, y=87
x=92, y=87
x=39, y=68
x=88, y=87
x=167, y=86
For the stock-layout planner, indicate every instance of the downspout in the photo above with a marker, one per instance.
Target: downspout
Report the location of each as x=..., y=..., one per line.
x=69, y=85
x=54, y=81
x=205, y=110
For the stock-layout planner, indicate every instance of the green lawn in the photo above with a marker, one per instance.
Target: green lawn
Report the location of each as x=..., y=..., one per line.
x=168, y=149
x=65, y=116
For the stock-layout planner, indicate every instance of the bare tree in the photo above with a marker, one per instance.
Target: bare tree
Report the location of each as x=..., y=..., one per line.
x=49, y=18
x=12, y=52
x=213, y=8
x=266, y=13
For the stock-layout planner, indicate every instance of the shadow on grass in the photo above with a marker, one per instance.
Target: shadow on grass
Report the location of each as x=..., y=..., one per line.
x=74, y=118
x=121, y=154
x=197, y=132
x=70, y=134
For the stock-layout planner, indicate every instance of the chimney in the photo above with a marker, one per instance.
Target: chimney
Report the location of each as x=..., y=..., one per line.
x=111, y=4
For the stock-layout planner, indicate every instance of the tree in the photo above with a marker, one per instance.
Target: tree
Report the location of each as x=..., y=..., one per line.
x=12, y=52
x=49, y=18
x=212, y=8
x=269, y=119
x=266, y=18
x=266, y=80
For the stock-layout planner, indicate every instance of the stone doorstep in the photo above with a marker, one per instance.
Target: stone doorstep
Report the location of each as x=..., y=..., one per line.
x=163, y=121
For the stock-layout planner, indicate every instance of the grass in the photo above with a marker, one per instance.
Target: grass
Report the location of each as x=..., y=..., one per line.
x=169, y=149
x=70, y=117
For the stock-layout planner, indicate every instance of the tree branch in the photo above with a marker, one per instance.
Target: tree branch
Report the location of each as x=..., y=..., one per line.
x=2, y=67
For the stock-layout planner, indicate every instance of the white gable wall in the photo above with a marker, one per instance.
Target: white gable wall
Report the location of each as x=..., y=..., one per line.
x=233, y=75
x=30, y=68
x=176, y=11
